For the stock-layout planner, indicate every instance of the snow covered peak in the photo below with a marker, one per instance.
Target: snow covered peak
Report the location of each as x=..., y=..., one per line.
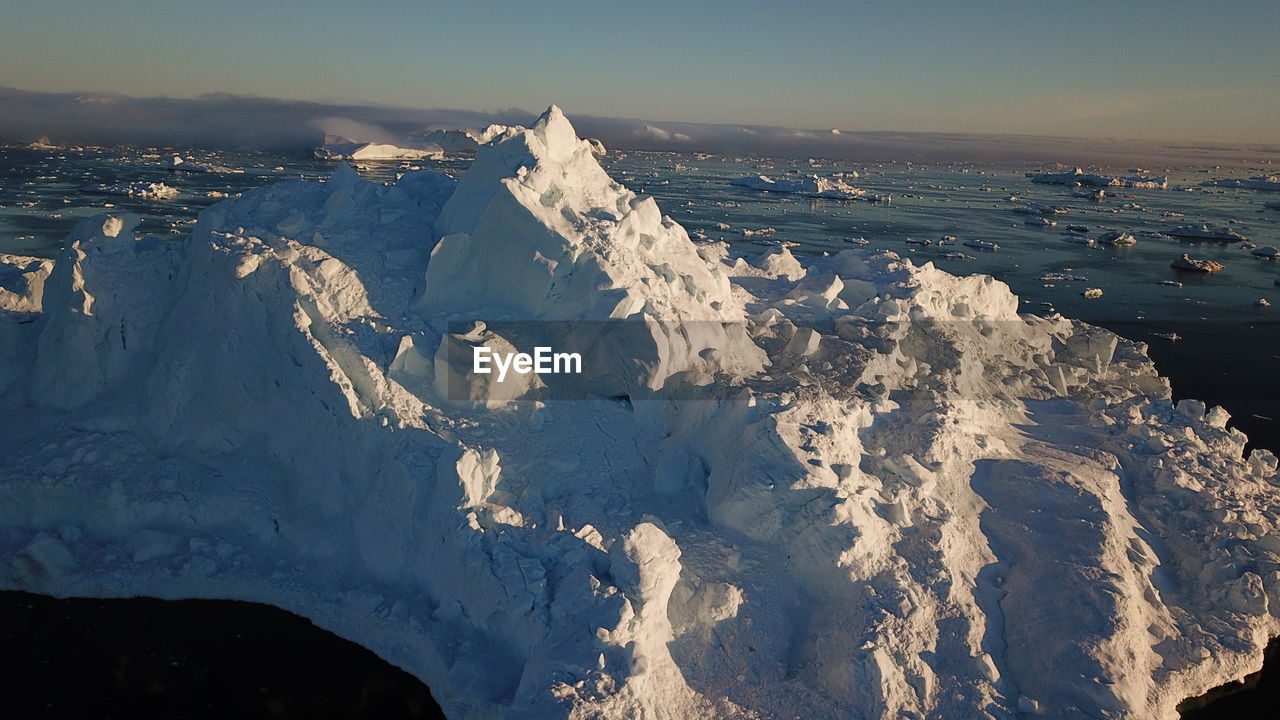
x=538, y=231
x=554, y=130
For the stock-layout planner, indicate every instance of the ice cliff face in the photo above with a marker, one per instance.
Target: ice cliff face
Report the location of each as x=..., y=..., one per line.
x=861, y=489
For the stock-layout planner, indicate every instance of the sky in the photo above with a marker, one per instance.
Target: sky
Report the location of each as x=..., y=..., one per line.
x=1166, y=70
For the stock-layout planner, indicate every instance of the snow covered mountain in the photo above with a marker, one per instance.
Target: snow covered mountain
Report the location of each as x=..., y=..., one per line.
x=832, y=487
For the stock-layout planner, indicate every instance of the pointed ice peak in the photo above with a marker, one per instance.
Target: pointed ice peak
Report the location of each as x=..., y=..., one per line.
x=548, y=157
x=344, y=175
x=554, y=129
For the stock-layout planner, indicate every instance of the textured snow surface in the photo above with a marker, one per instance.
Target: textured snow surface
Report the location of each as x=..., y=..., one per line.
x=863, y=488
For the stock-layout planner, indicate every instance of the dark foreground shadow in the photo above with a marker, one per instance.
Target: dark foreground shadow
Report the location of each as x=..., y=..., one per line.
x=143, y=658
x=1255, y=698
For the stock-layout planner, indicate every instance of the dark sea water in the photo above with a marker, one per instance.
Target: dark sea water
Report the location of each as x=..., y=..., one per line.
x=143, y=659
x=94, y=658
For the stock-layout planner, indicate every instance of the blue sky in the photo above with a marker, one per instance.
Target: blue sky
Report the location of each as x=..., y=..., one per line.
x=1157, y=70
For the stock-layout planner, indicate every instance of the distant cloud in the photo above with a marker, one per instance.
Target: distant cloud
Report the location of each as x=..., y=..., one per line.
x=353, y=130
x=254, y=123
x=656, y=133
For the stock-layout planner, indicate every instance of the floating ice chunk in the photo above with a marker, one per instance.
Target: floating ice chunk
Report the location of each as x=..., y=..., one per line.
x=179, y=164
x=811, y=186
x=1257, y=182
x=1118, y=238
x=1080, y=177
x=1038, y=209
x=1186, y=262
x=1205, y=232
x=375, y=151
x=151, y=191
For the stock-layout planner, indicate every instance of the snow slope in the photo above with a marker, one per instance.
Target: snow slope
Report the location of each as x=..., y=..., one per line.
x=830, y=487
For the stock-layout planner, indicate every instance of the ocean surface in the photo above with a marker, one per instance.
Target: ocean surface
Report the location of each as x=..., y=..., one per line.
x=1227, y=347
x=1226, y=355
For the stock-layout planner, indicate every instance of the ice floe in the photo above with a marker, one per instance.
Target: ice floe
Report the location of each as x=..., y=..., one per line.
x=149, y=190
x=1257, y=182
x=1080, y=177
x=811, y=186
x=1205, y=232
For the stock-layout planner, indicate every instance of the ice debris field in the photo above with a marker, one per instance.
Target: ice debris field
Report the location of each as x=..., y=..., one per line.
x=862, y=488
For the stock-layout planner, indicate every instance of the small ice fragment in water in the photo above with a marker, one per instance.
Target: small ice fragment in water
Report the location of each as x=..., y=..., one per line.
x=981, y=244
x=1118, y=238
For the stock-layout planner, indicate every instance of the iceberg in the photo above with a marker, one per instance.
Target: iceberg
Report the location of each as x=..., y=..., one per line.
x=180, y=164
x=1080, y=177
x=1038, y=209
x=375, y=151
x=1118, y=238
x=820, y=487
x=1186, y=262
x=151, y=191
x=811, y=186
x=462, y=141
